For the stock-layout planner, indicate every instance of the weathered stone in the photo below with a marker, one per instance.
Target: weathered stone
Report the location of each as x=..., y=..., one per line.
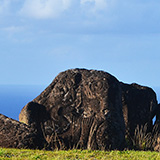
x=28, y=115
x=34, y=114
x=14, y=134
x=90, y=109
x=84, y=110
x=139, y=107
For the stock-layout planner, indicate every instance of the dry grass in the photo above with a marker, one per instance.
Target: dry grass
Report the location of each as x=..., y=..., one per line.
x=144, y=140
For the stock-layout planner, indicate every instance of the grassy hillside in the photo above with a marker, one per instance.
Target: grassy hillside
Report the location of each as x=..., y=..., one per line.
x=17, y=154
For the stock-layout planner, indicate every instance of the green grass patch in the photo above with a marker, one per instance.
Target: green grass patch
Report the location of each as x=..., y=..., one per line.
x=21, y=154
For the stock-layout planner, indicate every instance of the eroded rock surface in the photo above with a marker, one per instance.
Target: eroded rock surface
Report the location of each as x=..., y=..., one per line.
x=90, y=109
x=14, y=134
x=139, y=107
x=84, y=110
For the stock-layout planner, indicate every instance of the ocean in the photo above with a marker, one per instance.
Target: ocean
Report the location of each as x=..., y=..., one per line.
x=14, y=97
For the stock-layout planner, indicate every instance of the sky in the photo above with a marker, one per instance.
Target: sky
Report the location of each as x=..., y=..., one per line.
x=41, y=38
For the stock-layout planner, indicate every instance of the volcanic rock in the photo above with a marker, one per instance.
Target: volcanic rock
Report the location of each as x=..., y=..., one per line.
x=139, y=107
x=34, y=114
x=90, y=109
x=14, y=134
x=84, y=110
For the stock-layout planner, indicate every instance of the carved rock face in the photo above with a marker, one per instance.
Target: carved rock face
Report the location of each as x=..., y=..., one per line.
x=84, y=110
x=90, y=109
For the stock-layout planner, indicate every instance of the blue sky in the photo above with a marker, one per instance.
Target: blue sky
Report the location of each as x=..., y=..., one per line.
x=40, y=38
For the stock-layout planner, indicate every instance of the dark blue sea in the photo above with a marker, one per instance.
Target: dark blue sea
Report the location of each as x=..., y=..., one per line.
x=14, y=97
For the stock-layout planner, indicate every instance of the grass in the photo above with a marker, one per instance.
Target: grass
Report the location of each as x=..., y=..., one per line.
x=21, y=154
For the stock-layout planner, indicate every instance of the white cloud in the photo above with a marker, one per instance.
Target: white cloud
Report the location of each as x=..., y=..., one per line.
x=42, y=9
x=94, y=5
x=92, y=16
x=100, y=4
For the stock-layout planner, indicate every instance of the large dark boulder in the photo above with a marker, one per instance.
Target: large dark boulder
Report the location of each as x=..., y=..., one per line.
x=14, y=134
x=90, y=109
x=139, y=107
x=83, y=109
